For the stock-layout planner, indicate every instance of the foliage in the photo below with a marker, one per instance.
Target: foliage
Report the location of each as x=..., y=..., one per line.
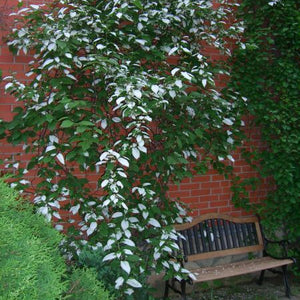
x=84, y=285
x=107, y=274
x=267, y=71
x=126, y=91
x=31, y=266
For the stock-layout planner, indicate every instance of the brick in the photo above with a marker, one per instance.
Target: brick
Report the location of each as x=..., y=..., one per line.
x=195, y=213
x=200, y=192
x=216, y=191
x=190, y=199
x=6, y=112
x=236, y=213
x=173, y=187
x=218, y=203
x=223, y=197
x=217, y=177
x=5, y=98
x=226, y=190
x=198, y=205
x=179, y=194
x=225, y=210
x=212, y=184
x=208, y=211
x=173, y=59
x=225, y=183
x=209, y=198
x=190, y=186
x=186, y=180
x=203, y=178
x=21, y=59
x=4, y=59
x=4, y=51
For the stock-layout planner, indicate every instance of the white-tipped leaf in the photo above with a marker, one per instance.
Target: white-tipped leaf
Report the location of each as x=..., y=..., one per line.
x=109, y=256
x=124, y=224
x=123, y=161
x=117, y=215
x=134, y=283
x=60, y=158
x=155, y=88
x=129, y=242
x=136, y=153
x=92, y=228
x=74, y=209
x=125, y=266
x=119, y=282
x=154, y=222
x=137, y=94
x=104, y=183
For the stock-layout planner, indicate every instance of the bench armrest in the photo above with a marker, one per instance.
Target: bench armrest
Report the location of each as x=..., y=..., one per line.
x=283, y=244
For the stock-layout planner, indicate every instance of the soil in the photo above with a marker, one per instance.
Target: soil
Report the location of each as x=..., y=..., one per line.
x=243, y=288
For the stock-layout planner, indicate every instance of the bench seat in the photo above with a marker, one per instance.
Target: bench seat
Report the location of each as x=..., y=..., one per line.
x=239, y=268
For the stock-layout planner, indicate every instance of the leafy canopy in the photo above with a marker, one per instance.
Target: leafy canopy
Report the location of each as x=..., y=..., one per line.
x=123, y=90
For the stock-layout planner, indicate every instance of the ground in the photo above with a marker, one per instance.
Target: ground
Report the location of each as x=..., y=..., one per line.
x=242, y=288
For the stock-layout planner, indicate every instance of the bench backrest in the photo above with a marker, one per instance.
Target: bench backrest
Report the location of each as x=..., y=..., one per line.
x=216, y=235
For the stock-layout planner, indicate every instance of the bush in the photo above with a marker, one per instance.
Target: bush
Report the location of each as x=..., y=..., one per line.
x=108, y=274
x=31, y=266
x=85, y=286
x=107, y=98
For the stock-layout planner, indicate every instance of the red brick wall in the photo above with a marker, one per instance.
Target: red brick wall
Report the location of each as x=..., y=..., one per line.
x=208, y=193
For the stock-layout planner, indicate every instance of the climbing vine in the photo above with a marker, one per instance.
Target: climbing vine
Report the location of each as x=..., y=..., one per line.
x=267, y=71
x=122, y=90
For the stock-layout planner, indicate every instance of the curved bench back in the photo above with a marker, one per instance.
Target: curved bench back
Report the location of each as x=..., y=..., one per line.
x=216, y=235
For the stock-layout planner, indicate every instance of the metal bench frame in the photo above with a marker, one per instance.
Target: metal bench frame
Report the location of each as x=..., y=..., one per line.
x=216, y=235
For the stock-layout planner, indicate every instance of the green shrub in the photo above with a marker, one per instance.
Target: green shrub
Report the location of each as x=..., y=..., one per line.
x=105, y=97
x=108, y=274
x=85, y=286
x=31, y=266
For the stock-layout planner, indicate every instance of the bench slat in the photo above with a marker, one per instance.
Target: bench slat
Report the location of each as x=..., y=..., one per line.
x=221, y=233
x=197, y=241
x=203, y=240
x=233, y=251
x=238, y=268
x=215, y=234
x=228, y=235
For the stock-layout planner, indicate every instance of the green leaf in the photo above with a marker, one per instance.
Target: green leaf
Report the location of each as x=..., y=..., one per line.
x=67, y=124
x=138, y=4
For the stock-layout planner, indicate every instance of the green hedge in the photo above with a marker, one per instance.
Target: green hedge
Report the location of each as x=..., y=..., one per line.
x=31, y=266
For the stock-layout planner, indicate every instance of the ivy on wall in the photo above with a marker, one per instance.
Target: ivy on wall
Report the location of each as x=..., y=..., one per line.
x=106, y=97
x=267, y=71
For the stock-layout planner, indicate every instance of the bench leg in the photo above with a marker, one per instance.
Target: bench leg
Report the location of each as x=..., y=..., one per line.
x=286, y=282
x=183, y=289
x=261, y=277
x=166, y=293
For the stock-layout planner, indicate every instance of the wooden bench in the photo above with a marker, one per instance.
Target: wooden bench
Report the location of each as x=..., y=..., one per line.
x=215, y=236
